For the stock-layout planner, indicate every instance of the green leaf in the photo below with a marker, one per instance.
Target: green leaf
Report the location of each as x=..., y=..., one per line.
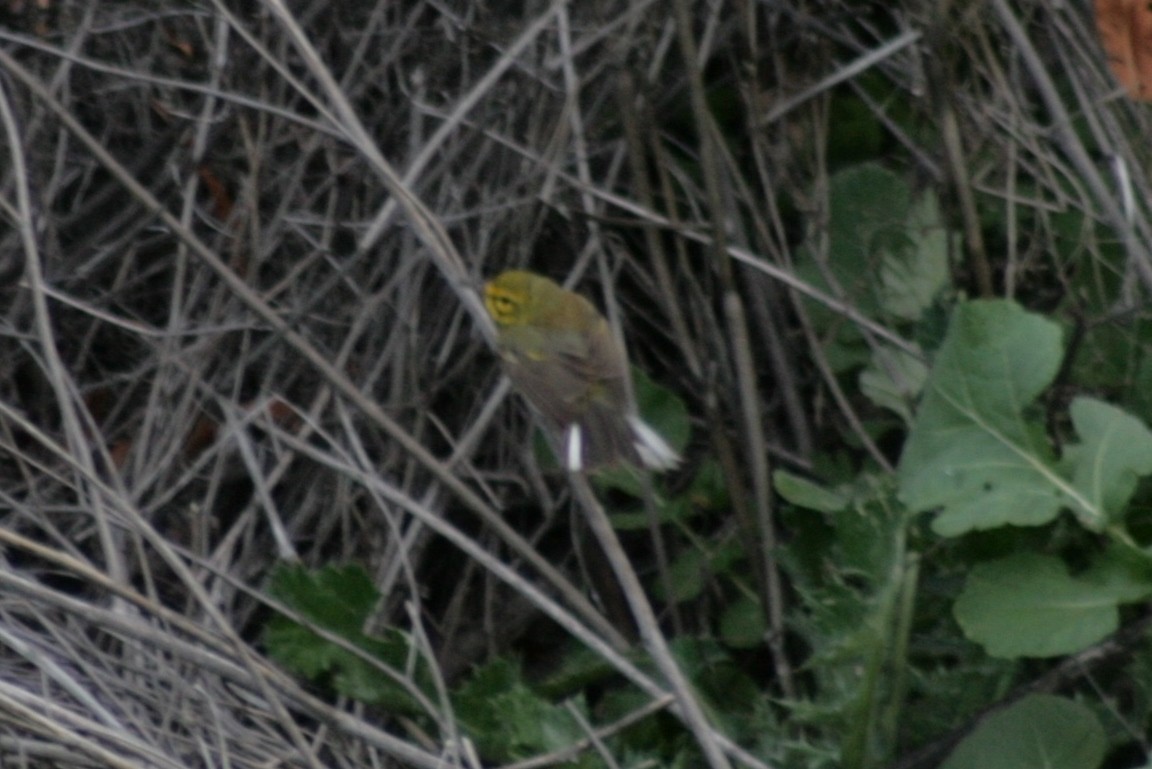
x=667, y=511
x=661, y=408
x=887, y=250
x=1117, y=358
x=339, y=600
x=854, y=130
x=804, y=493
x=893, y=380
x=688, y=573
x=1027, y=605
x=742, y=625
x=1116, y=450
x=578, y=668
x=507, y=720
x=1121, y=572
x=972, y=451
x=916, y=269
x=975, y=453
x=1038, y=731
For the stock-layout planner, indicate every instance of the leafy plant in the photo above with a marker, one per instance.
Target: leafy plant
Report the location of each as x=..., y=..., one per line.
x=888, y=253
x=857, y=614
x=507, y=718
x=331, y=646
x=978, y=454
x=1039, y=730
x=978, y=458
x=510, y=721
x=1028, y=605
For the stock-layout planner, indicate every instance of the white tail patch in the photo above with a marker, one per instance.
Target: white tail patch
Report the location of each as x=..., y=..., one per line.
x=653, y=450
x=574, y=448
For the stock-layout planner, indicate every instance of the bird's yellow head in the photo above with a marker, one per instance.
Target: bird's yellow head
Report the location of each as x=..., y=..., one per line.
x=519, y=298
x=510, y=297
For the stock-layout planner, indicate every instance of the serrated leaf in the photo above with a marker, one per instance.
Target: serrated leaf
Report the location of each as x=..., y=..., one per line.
x=507, y=720
x=893, y=380
x=887, y=250
x=1038, y=731
x=869, y=534
x=972, y=452
x=294, y=646
x=580, y=668
x=338, y=600
x=866, y=205
x=1027, y=605
x=914, y=270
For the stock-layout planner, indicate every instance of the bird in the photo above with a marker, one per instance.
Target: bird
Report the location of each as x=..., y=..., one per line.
x=562, y=357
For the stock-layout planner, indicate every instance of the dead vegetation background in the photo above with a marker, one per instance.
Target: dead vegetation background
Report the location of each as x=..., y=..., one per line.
x=241, y=248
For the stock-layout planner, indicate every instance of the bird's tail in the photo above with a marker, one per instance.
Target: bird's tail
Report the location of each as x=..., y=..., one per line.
x=604, y=437
x=650, y=446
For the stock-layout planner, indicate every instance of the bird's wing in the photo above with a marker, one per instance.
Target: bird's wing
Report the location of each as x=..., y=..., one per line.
x=561, y=376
